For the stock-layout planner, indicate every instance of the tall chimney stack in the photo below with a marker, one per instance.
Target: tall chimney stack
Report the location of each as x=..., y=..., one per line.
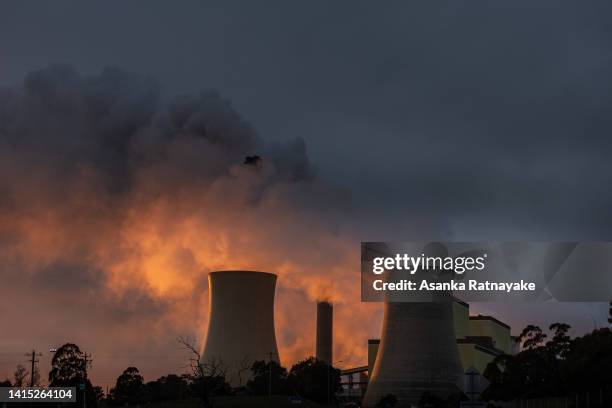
x=325, y=324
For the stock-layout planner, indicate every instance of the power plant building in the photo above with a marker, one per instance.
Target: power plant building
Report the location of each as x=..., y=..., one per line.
x=425, y=347
x=479, y=340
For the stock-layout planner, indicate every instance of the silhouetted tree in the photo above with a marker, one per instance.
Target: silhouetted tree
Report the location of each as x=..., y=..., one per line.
x=208, y=378
x=129, y=388
x=259, y=384
x=169, y=388
x=588, y=361
x=560, y=343
x=69, y=369
x=528, y=374
x=532, y=337
x=430, y=400
x=315, y=380
x=562, y=367
x=68, y=366
x=98, y=393
x=388, y=401
x=20, y=376
x=494, y=375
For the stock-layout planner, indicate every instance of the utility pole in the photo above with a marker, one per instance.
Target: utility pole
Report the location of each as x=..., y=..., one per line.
x=270, y=354
x=33, y=360
x=329, y=391
x=88, y=361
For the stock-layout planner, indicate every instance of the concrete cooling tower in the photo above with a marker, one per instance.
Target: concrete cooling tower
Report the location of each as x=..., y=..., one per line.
x=418, y=353
x=241, y=322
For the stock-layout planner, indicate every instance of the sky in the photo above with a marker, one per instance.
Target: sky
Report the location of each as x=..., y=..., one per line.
x=431, y=120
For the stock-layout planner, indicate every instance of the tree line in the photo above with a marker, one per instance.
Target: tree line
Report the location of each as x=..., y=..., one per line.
x=552, y=366
x=310, y=378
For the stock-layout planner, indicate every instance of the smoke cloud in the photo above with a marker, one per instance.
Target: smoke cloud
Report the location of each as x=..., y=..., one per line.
x=116, y=201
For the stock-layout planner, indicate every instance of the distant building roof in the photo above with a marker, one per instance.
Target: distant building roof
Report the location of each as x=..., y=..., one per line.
x=354, y=370
x=481, y=343
x=491, y=318
x=461, y=302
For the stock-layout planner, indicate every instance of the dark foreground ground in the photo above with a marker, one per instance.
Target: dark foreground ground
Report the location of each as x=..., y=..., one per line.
x=237, y=402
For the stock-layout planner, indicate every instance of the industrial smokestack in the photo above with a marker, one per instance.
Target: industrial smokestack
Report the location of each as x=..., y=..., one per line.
x=325, y=327
x=241, y=324
x=417, y=354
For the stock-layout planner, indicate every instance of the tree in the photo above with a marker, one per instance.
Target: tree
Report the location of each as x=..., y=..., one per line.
x=69, y=369
x=560, y=343
x=588, y=361
x=532, y=337
x=68, y=366
x=314, y=379
x=502, y=377
x=492, y=373
x=531, y=373
x=20, y=377
x=562, y=367
x=129, y=388
x=208, y=378
x=388, y=401
x=169, y=388
x=259, y=384
x=99, y=393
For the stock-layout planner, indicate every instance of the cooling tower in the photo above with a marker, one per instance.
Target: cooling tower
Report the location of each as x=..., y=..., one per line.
x=241, y=322
x=417, y=354
x=325, y=326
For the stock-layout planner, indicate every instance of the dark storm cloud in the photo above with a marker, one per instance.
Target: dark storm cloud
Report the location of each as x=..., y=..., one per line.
x=472, y=113
x=469, y=112
x=496, y=112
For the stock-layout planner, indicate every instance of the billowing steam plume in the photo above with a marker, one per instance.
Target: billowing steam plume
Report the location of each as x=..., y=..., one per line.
x=114, y=204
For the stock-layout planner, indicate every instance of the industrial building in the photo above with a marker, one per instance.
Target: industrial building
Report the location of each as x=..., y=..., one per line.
x=424, y=347
x=479, y=340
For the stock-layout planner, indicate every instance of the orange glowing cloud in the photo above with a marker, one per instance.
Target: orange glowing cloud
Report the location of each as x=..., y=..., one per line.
x=98, y=174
